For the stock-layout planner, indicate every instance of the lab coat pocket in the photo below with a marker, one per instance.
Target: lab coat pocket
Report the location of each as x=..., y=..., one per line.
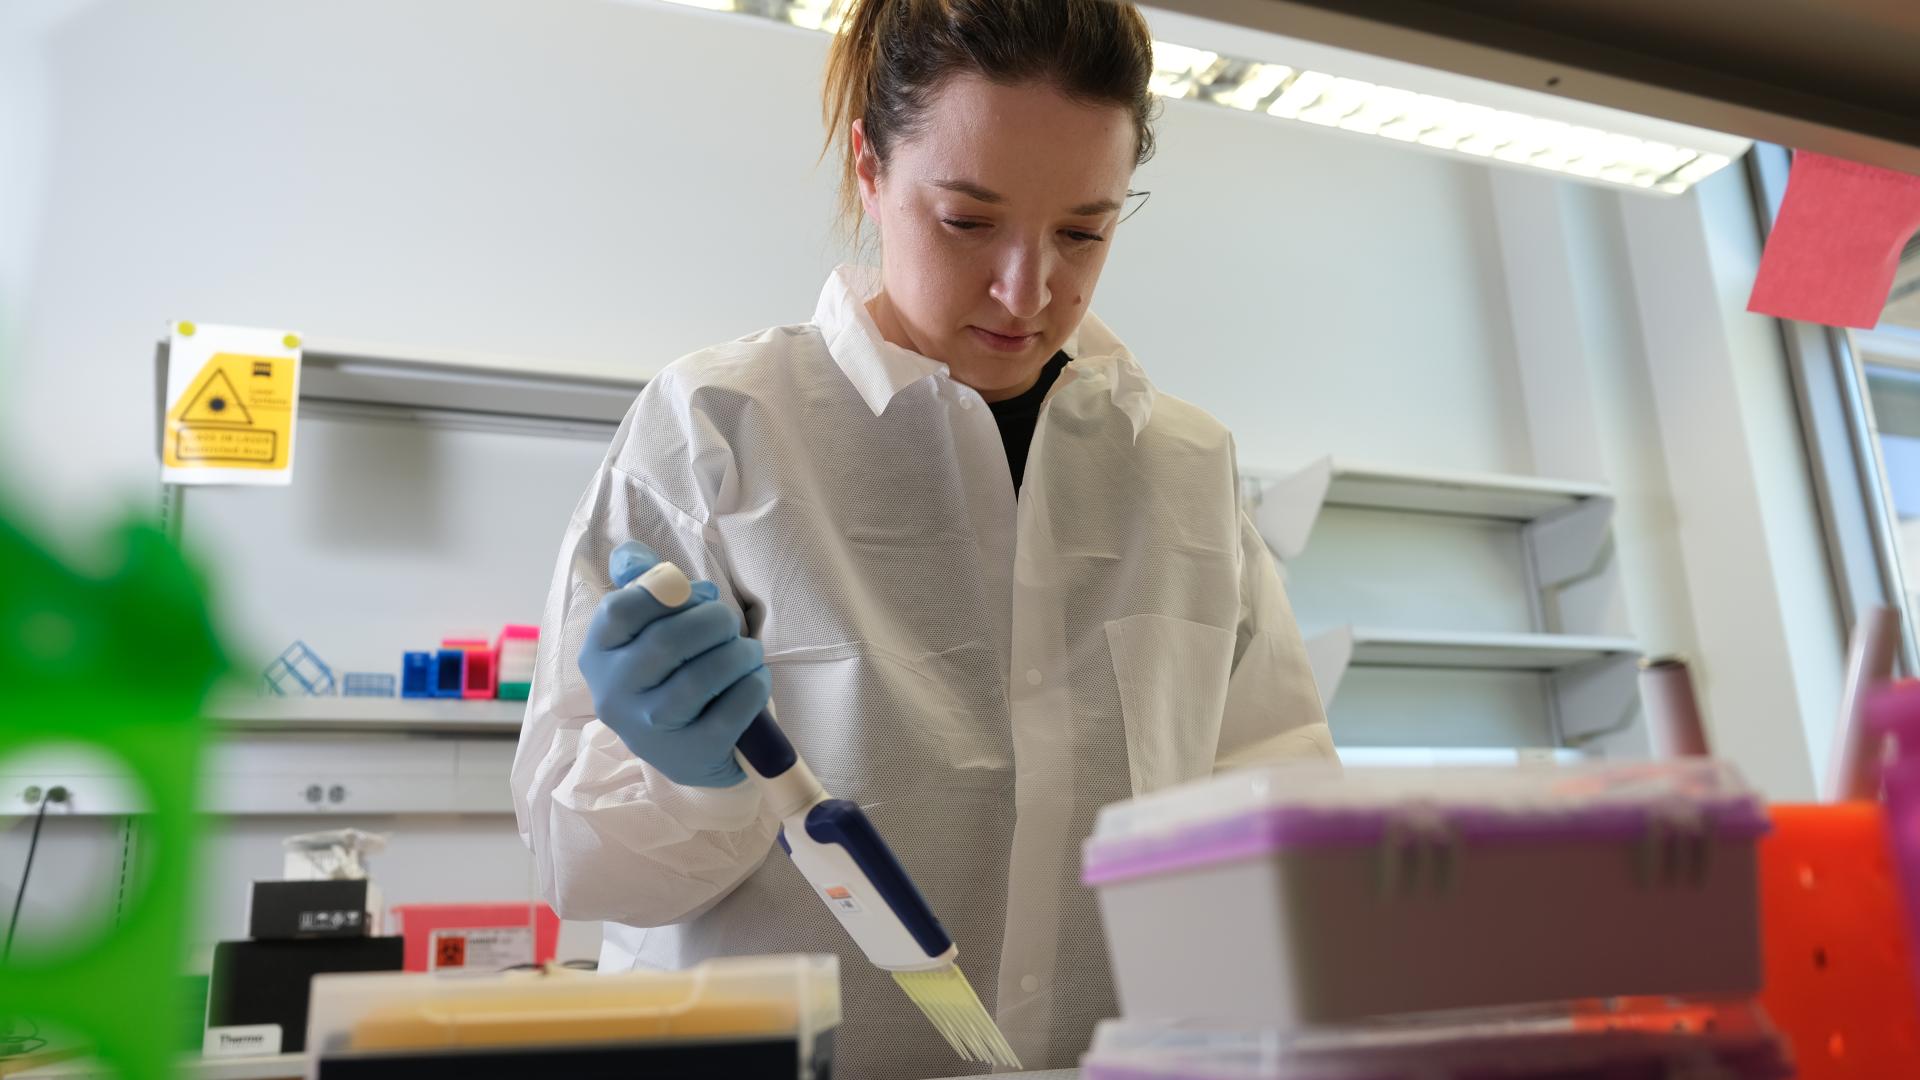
x=1173, y=676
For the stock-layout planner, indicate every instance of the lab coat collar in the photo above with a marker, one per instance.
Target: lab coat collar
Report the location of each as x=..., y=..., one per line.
x=880, y=369
x=1095, y=347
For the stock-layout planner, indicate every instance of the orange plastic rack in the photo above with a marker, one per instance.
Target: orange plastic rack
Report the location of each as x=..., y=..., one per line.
x=1839, y=984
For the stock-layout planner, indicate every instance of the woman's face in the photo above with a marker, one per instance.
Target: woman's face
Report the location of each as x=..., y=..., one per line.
x=995, y=220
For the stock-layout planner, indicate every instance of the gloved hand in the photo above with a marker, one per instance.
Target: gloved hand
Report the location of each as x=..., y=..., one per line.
x=678, y=685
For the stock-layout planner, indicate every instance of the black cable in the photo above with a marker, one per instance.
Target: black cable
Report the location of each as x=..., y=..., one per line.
x=126, y=861
x=19, y=1045
x=54, y=794
x=13, y=1046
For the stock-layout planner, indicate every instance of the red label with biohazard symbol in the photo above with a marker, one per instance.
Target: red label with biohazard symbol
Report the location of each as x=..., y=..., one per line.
x=480, y=948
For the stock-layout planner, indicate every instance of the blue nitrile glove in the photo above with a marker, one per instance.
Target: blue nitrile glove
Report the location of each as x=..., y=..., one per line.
x=678, y=685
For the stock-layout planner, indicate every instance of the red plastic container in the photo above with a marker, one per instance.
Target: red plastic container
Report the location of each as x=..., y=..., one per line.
x=482, y=669
x=478, y=937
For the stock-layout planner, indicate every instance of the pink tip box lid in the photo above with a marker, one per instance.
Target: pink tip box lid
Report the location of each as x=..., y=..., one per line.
x=1261, y=811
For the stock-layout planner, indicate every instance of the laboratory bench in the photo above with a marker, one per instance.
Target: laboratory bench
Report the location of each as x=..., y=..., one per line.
x=274, y=1067
x=293, y=1066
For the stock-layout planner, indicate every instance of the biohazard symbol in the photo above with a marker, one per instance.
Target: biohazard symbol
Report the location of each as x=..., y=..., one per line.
x=216, y=404
x=450, y=951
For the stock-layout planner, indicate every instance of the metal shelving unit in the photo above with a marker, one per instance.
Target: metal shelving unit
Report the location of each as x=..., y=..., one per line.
x=1565, y=531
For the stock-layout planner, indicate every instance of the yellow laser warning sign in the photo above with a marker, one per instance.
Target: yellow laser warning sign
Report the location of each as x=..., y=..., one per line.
x=232, y=394
x=238, y=415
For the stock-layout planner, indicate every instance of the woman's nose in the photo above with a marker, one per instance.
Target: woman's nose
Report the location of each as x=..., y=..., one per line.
x=1020, y=282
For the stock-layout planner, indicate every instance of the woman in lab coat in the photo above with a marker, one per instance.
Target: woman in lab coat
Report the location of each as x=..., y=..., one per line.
x=992, y=579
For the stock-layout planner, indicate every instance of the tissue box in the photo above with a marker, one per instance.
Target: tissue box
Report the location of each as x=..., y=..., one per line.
x=338, y=908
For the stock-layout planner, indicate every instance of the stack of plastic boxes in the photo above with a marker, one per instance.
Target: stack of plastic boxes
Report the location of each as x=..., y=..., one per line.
x=1441, y=924
x=471, y=668
x=513, y=656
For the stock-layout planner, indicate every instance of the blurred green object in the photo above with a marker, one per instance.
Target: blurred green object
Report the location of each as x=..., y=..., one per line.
x=192, y=1030
x=120, y=664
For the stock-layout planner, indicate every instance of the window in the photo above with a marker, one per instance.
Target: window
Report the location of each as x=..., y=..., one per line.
x=1859, y=396
x=1890, y=363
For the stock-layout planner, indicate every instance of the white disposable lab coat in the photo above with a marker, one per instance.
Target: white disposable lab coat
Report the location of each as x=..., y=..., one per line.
x=981, y=673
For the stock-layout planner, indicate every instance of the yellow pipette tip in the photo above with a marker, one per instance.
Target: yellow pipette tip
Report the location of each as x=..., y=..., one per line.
x=947, y=998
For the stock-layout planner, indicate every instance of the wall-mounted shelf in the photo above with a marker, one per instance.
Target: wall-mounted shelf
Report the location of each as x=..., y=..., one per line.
x=359, y=374
x=421, y=715
x=1285, y=505
x=1334, y=650
x=1371, y=756
x=1592, y=680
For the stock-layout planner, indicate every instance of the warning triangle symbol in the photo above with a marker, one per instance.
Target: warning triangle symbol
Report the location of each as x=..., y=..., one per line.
x=215, y=402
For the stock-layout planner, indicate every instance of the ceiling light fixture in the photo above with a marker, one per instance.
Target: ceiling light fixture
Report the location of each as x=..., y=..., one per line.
x=1369, y=95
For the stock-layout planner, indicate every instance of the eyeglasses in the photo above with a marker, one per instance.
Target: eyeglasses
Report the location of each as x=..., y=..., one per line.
x=1142, y=196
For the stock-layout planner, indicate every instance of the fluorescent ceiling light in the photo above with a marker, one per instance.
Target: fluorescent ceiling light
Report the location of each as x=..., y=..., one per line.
x=1505, y=135
x=1501, y=125
x=1178, y=70
x=825, y=15
x=1339, y=89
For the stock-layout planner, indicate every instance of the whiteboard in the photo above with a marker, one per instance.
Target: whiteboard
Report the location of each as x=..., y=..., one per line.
x=401, y=528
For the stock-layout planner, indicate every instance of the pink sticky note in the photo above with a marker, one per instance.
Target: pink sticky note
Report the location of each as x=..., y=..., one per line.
x=1836, y=243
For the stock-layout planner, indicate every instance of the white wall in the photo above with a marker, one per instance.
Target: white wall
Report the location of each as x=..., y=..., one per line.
x=22, y=110
x=604, y=186
x=1277, y=272
x=1689, y=415
x=614, y=184
x=1639, y=367
x=504, y=176
x=1758, y=580
x=1646, y=518
x=608, y=185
